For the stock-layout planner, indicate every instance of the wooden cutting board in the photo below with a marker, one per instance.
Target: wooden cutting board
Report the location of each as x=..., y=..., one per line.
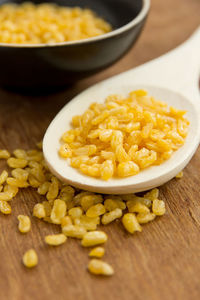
x=162, y=262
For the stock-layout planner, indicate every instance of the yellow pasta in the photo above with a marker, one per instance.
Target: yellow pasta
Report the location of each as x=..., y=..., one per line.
x=123, y=136
x=77, y=213
x=28, y=23
x=99, y=267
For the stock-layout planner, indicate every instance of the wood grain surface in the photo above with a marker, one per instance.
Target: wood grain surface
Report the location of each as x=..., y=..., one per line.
x=162, y=262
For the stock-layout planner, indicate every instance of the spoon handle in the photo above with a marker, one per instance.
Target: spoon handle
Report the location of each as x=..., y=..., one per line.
x=183, y=65
x=177, y=70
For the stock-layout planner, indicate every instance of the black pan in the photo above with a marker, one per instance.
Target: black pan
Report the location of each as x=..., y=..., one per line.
x=55, y=65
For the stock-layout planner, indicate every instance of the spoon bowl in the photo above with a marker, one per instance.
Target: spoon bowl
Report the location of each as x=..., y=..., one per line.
x=149, y=77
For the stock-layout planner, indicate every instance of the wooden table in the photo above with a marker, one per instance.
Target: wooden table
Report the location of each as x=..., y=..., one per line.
x=162, y=262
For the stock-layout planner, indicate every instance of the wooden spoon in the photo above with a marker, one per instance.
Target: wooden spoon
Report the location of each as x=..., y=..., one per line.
x=173, y=78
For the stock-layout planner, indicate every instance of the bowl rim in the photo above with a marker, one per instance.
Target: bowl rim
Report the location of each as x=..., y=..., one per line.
x=141, y=15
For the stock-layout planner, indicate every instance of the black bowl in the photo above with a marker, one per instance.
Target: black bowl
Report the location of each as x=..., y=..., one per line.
x=54, y=65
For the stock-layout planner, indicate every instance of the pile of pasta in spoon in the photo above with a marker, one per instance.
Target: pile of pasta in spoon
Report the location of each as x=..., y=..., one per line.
x=123, y=136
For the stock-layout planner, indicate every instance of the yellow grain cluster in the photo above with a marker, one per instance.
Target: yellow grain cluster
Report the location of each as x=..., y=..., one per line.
x=78, y=213
x=123, y=136
x=28, y=23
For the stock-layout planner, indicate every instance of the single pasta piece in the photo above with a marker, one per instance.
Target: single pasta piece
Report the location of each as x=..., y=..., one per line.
x=17, y=162
x=94, y=238
x=111, y=204
x=66, y=221
x=137, y=207
x=136, y=199
x=158, y=207
x=39, y=211
x=5, y=207
x=74, y=231
x=99, y=267
x=24, y=225
x=121, y=154
x=20, y=174
x=6, y=196
x=179, y=175
x=53, y=189
x=47, y=209
x=58, y=211
x=75, y=212
x=55, y=239
x=3, y=176
x=43, y=188
x=95, y=210
x=143, y=218
x=152, y=195
x=130, y=223
x=87, y=201
x=4, y=154
x=123, y=136
x=111, y=216
x=128, y=168
x=11, y=189
x=65, y=151
x=17, y=182
x=87, y=222
x=30, y=258
x=97, y=252
x=107, y=169
x=20, y=153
